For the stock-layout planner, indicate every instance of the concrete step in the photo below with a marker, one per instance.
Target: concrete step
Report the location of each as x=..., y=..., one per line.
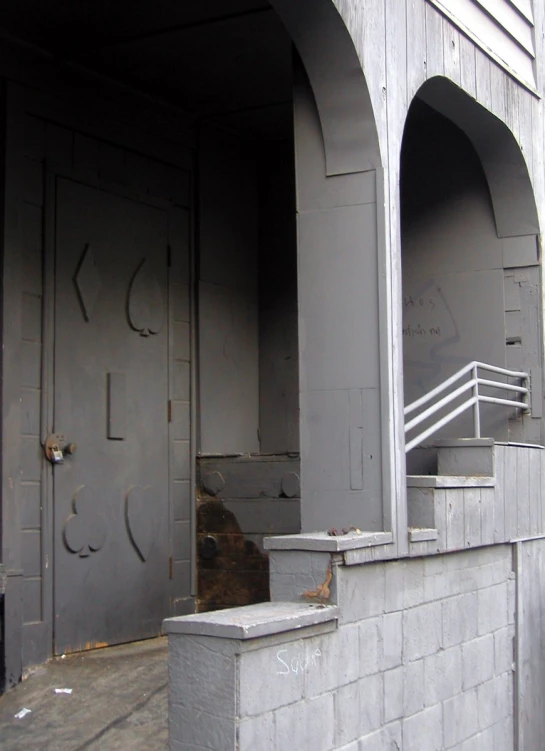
x=451, y=512
x=473, y=457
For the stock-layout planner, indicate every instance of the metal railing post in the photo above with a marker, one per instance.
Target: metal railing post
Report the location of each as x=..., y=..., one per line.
x=526, y=398
x=476, y=412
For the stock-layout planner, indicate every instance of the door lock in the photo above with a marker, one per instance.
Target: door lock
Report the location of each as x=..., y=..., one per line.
x=56, y=448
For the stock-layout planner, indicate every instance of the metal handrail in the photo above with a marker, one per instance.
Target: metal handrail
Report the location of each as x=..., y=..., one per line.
x=474, y=401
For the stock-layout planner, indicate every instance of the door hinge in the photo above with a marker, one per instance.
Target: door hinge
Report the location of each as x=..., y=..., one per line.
x=170, y=567
x=169, y=410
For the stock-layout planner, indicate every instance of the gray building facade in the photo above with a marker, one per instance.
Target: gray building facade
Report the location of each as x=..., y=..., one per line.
x=245, y=244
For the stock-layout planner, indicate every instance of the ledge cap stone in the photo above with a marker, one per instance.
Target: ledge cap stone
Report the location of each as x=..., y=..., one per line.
x=450, y=481
x=322, y=542
x=252, y=621
x=463, y=442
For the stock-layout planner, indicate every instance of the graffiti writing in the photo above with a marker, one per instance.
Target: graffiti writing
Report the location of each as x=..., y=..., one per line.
x=301, y=662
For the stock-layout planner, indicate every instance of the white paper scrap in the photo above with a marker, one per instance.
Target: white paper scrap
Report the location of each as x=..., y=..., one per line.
x=22, y=713
x=63, y=690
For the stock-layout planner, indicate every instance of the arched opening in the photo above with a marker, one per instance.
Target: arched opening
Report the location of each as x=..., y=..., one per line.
x=470, y=256
x=220, y=328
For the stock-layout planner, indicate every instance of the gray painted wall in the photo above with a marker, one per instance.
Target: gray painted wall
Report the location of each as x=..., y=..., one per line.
x=278, y=342
x=341, y=432
x=453, y=310
x=454, y=269
x=228, y=296
x=248, y=355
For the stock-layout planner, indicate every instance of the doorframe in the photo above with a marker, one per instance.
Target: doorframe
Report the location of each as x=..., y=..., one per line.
x=52, y=172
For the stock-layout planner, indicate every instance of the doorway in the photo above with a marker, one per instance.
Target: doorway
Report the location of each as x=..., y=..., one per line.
x=110, y=485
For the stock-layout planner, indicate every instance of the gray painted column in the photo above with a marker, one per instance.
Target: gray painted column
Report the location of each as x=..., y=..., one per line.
x=341, y=457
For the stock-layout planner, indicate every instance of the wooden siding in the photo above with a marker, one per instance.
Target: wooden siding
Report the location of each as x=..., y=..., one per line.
x=504, y=29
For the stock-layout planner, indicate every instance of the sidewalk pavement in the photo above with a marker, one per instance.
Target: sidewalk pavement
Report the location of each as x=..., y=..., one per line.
x=118, y=702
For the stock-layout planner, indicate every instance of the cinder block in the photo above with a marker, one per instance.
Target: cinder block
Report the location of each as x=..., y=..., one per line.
x=290, y=562
x=337, y=660
x=371, y=639
x=257, y=732
x=392, y=640
x=460, y=619
x=493, y=573
x=460, y=718
x=421, y=631
x=480, y=742
x=293, y=572
x=386, y=739
x=393, y=694
x=413, y=687
x=434, y=564
x=493, y=608
x=360, y=591
x=211, y=732
x=347, y=716
x=413, y=583
x=478, y=661
x=355, y=746
x=394, y=574
x=496, y=555
x=308, y=724
x=494, y=700
x=442, y=675
x=504, y=735
x=201, y=657
x=503, y=650
x=283, y=588
x=282, y=671
x=461, y=560
x=371, y=703
x=423, y=731
x=434, y=587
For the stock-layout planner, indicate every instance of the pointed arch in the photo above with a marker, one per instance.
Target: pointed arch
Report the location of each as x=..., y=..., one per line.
x=511, y=190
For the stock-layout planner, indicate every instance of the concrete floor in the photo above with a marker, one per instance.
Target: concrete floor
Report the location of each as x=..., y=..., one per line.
x=118, y=702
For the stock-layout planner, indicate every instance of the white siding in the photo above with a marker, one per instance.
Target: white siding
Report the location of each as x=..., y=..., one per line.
x=504, y=29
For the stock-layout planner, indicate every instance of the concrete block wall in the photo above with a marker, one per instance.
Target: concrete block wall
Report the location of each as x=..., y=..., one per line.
x=419, y=657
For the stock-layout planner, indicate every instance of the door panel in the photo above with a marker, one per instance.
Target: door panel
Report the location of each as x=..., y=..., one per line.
x=111, y=508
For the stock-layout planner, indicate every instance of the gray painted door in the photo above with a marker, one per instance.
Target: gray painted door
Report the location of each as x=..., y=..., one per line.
x=111, y=508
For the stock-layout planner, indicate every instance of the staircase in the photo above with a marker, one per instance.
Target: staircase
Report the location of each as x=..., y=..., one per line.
x=454, y=507
x=467, y=492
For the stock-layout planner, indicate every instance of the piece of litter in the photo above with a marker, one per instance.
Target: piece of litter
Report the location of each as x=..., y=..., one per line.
x=22, y=713
x=62, y=657
x=63, y=690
